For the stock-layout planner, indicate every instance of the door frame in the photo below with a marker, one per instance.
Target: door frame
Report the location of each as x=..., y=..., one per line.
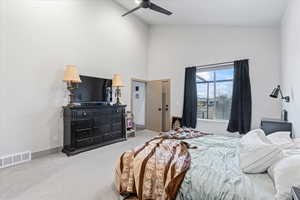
x=170, y=100
x=131, y=96
x=146, y=93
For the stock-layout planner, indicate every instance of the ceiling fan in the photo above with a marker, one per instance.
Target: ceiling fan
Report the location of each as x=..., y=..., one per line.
x=148, y=4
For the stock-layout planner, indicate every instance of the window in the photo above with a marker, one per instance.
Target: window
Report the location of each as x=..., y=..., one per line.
x=214, y=91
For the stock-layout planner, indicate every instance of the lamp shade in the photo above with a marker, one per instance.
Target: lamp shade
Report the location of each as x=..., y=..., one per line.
x=117, y=82
x=71, y=74
x=275, y=92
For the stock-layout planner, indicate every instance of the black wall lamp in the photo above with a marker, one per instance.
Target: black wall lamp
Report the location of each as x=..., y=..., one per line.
x=276, y=92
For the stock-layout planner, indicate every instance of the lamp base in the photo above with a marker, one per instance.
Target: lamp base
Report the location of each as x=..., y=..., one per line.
x=287, y=99
x=71, y=87
x=71, y=105
x=118, y=95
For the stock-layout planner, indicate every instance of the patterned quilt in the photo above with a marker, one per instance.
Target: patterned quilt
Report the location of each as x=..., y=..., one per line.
x=156, y=169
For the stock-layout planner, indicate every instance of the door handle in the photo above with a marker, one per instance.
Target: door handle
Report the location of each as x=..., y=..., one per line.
x=159, y=109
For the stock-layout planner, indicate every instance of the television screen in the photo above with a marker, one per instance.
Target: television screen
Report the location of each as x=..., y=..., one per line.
x=93, y=89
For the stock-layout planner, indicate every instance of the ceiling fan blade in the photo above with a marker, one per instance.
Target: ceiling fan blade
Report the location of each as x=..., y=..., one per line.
x=159, y=9
x=131, y=11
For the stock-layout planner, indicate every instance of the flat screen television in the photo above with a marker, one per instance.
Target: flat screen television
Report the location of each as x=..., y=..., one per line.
x=93, y=89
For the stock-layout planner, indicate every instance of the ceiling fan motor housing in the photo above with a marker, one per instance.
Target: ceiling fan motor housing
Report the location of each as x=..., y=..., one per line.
x=145, y=3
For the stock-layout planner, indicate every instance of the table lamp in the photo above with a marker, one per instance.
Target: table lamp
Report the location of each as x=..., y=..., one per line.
x=117, y=82
x=71, y=77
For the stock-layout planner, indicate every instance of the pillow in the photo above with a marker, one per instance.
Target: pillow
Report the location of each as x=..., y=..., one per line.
x=285, y=174
x=257, y=153
x=283, y=140
x=297, y=143
x=280, y=137
x=256, y=136
x=291, y=152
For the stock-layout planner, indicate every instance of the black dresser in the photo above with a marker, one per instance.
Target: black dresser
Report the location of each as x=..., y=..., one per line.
x=90, y=127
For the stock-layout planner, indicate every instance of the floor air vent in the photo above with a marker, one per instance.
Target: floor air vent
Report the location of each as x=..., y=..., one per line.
x=14, y=159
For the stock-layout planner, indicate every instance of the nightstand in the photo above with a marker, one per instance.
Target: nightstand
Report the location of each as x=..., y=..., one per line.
x=274, y=125
x=296, y=193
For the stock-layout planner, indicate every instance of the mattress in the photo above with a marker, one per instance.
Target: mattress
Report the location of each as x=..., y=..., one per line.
x=215, y=173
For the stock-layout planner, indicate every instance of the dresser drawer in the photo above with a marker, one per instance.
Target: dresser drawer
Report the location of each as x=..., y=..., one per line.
x=98, y=139
x=104, y=119
x=112, y=136
x=117, y=110
x=116, y=127
x=102, y=129
x=82, y=125
x=101, y=112
x=116, y=118
x=84, y=134
x=83, y=142
x=81, y=114
x=117, y=134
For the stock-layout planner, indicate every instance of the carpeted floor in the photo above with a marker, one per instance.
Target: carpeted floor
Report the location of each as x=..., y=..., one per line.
x=87, y=176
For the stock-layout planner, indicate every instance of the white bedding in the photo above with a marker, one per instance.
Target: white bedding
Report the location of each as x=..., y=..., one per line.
x=278, y=154
x=215, y=173
x=257, y=153
x=263, y=185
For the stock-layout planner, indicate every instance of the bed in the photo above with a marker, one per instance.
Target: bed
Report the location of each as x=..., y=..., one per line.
x=215, y=174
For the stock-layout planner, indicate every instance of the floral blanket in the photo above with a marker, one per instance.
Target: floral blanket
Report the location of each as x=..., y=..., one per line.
x=155, y=170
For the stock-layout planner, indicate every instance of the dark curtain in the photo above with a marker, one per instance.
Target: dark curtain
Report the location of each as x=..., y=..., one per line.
x=189, y=116
x=241, y=109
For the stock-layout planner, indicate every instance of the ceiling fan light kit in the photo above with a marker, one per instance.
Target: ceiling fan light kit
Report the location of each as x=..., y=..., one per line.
x=138, y=2
x=148, y=4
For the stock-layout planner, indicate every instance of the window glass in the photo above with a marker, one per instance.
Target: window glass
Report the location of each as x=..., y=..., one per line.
x=224, y=74
x=214, y=90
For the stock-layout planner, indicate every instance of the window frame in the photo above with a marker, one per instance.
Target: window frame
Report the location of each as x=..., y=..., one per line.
x=213, y=68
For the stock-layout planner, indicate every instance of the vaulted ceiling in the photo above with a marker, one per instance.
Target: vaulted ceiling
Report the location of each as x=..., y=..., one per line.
x=220, y=12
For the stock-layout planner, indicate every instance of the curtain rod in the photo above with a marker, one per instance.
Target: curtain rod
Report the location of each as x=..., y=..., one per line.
x=217, y=64
x=214, y=65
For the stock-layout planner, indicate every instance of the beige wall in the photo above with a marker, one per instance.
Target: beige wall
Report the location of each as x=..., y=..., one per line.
x=172, y=48
x=41, y=36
